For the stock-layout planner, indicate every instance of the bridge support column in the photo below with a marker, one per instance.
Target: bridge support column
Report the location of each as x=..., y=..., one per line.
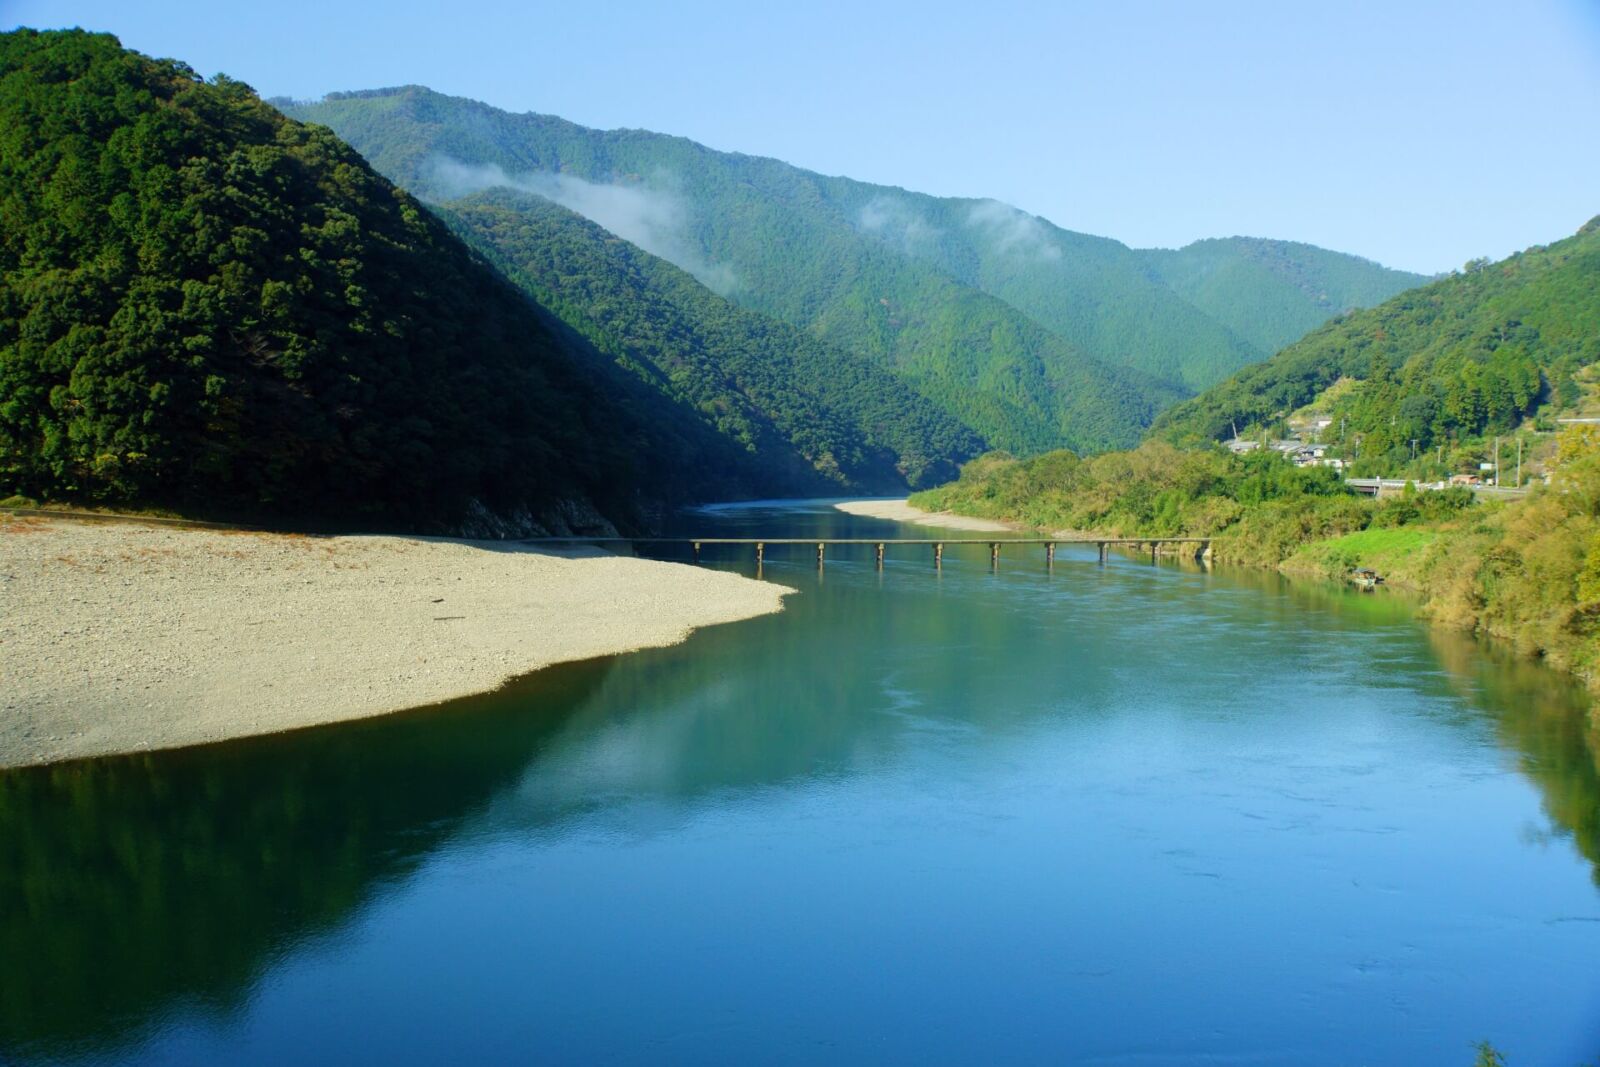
x=820, y=546
x=1102, y=553
x=697, y=551
x=761, y=552
x=1153, y=546
x=880, y=555
x=1050, y=554
x=994, y=554
x=938, y=555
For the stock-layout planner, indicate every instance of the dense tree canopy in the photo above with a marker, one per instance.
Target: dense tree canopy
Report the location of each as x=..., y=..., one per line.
x=207, y=305
x=210, y=307
x=1474, y=353
x=776, y=390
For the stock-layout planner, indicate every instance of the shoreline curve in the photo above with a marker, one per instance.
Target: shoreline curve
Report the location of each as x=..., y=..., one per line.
x=129, y=638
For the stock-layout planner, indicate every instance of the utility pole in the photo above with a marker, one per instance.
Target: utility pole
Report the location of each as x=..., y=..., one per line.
x=1519, y=461
x=1497, y=462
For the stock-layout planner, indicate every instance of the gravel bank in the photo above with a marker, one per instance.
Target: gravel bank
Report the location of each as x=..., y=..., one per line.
x=900, y=511
x=123, y=638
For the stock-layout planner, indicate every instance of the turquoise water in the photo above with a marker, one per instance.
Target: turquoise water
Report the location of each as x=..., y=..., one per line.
x=1125, y=815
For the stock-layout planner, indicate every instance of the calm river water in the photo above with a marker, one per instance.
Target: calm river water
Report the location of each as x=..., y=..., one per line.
x=1125, y=815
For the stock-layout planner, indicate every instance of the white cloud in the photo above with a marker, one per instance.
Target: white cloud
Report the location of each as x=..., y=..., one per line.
x=654, y=219
x=1013, y=232
x=897, y=222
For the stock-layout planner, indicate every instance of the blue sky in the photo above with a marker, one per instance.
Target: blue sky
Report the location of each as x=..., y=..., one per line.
x=1418, y=134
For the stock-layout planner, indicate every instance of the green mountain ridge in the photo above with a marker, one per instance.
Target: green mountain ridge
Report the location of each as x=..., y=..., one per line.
x=210, y=307
x=1470, y=354
x=1271, y=293
x=775, y=389
x=1034, y=336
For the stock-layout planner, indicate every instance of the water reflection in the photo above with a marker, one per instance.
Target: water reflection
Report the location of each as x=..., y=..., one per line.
x=1544, y=719
x=136, y=886
x=142, y=893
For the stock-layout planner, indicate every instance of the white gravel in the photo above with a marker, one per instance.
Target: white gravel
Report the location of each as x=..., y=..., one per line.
x=122, y=638
x=900, y=511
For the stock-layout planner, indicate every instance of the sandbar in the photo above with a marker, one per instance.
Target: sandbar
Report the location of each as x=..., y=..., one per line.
x=127, y=638
x=901, y=511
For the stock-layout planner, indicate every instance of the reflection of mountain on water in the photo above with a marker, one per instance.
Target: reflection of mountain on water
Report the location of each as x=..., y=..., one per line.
x=138, y=886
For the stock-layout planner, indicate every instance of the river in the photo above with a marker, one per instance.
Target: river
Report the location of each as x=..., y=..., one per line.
x=1132, y=814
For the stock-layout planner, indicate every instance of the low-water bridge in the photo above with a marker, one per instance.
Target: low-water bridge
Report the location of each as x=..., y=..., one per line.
x=695, y=544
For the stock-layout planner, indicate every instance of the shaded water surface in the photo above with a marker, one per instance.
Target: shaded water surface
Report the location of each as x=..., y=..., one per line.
x=1127, y=815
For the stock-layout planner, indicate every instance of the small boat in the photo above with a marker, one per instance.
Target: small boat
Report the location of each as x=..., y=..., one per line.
x=1366, y=578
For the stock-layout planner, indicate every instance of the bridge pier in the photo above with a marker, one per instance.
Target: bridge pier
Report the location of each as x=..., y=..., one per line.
x=761, y=552
x=820, y=546
x=1153, y=546
x=697, y=551
x=994, y=555
x=1102, y=545
x=938, y=555
x=880, y=555
x=1050, y=554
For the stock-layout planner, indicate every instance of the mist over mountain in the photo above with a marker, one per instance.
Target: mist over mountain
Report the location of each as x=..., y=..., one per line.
x=814, y=414
x=1034, y=336
x=209, y=307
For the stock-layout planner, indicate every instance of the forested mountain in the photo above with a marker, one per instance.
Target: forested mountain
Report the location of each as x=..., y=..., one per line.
x=1271, y=293
x=1034, y=336
x=207, y=306
x=1473, y=353
x=765, y=234
x=775, y=389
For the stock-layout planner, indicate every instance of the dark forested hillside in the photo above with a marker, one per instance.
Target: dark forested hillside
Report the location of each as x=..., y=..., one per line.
x=1470, y=354
x=210, y=307
x=1034, y=336
x=775, y=389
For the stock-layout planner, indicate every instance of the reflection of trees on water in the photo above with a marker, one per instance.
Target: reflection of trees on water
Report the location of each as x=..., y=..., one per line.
x=136, y=886
x=1542, y=716
x=135, y=889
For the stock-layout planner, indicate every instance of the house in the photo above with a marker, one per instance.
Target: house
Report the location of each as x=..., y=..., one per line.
x=1465, y=479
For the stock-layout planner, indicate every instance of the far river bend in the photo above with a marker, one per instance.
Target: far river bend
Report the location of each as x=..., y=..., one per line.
x=1137, y=814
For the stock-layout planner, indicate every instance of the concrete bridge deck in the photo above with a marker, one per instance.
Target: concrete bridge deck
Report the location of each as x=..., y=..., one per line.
x=1201, y=544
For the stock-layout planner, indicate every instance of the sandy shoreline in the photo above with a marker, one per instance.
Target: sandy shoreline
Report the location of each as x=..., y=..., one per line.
x=126, y=638
x=901, y=511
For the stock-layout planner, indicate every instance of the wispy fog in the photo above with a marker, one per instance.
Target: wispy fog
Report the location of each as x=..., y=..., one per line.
x=655, y=219
x=897, y=222
x=1011, y=231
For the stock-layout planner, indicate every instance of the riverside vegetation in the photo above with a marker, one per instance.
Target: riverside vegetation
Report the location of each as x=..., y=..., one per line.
x=1527, y=571
x=1418, y=385
x=211, y=307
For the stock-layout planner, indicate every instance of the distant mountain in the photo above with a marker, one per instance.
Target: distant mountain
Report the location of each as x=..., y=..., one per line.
x=1470, y=354
x=1034, y=336
x=207, y=306
x=775, y=389
x=1273, y=292
x=777, y=240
